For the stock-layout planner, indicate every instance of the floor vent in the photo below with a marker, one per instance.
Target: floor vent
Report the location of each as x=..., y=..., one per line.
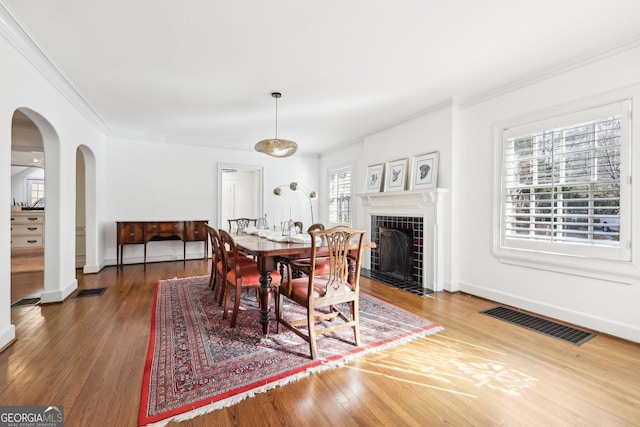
x=26, y=301
x=388, y=279
x=90, y=292
x=538, y=324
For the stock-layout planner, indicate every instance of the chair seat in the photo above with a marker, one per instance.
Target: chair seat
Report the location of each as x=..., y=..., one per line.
x=251, y=276
x=244, y=261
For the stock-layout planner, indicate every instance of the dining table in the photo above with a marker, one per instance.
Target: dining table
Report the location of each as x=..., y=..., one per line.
x=267, y=252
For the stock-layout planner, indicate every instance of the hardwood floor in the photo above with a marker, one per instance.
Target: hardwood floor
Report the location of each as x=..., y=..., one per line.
x=88, y=354
x=27, y=273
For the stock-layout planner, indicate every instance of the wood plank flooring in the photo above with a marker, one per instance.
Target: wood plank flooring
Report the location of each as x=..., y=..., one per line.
x=88, y=355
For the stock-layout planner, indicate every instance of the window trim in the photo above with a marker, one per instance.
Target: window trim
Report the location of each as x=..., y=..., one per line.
x=579, y=260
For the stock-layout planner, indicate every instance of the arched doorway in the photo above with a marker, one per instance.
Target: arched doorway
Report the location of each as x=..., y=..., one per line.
x=27, y=211
x=86, y=211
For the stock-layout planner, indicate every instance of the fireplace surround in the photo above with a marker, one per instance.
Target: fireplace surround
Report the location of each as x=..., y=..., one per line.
x=421, y=212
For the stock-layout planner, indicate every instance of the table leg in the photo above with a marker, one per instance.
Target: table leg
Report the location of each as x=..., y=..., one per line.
x=266, y=266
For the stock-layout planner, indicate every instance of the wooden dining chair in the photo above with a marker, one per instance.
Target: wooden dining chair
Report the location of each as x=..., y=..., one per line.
x=239, y=273
x=216, y=282
x=241, y=223
x=323, y=295
x=214, y=239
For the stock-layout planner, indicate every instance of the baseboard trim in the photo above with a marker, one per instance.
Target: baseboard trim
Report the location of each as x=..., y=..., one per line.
x=60, y=294
x=586, y=320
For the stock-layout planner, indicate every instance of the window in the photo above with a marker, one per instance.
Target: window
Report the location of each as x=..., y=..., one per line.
x=340, y=196
x=36, y=192
x=565, y=187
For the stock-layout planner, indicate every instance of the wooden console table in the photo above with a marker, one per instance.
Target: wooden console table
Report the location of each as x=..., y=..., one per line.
x=142, y=232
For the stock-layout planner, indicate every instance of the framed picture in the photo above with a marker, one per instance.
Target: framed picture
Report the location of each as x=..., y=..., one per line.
x=424, y=171
x=375, y=178
x=396, y=176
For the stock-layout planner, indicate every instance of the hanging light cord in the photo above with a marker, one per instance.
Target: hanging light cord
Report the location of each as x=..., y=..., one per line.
x=276, y=97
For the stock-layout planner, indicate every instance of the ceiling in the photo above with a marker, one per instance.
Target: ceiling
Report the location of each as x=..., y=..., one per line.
x=201, y=72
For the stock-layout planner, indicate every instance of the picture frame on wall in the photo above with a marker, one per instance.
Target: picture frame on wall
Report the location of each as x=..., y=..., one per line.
x=424, y=171
x=396, y=176
x=374, y=178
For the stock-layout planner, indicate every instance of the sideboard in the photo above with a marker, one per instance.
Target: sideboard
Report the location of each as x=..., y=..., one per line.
x=142, y=232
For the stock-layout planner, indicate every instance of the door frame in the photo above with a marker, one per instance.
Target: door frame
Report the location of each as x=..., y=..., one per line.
x=260, y=189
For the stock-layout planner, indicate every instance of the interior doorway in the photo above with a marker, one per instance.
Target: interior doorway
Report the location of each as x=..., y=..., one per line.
x=240, y=192
x=28, y=213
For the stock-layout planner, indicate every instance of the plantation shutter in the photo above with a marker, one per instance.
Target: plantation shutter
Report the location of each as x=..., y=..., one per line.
x=561, y=179
x=340, y=196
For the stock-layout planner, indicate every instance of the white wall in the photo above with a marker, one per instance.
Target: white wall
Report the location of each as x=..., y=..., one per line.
x=602, y=305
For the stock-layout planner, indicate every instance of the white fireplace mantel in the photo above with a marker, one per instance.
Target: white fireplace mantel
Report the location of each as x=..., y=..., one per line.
x=428, y=204
x=416, y=199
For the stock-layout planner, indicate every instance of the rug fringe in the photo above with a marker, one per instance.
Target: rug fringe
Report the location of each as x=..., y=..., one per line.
x=325, y=366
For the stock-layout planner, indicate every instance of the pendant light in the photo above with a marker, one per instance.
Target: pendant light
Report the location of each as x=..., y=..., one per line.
x=276, y=147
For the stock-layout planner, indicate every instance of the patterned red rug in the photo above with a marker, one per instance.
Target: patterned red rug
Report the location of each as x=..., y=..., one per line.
x=197, y=363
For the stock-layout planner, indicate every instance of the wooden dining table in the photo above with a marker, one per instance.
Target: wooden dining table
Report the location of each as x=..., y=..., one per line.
x=266, y=253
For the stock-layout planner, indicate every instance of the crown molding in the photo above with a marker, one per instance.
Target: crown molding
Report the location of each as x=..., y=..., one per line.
x=18, y=37
x=550, y=72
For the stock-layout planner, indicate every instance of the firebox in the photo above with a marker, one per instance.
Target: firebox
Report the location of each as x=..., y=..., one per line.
x=398, y=251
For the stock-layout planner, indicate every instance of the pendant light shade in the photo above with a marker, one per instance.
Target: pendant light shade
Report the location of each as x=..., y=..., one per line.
x=276, y=147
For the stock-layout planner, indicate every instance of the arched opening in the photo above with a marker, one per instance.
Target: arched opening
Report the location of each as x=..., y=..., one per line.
x=28, y=210
x=59, y=247
x=86, y=211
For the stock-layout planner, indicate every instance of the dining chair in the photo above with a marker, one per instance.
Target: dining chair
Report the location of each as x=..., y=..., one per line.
x=241, y=224
x=214, y=239
x=325, y=296
x=239, y=273
x=217, y=270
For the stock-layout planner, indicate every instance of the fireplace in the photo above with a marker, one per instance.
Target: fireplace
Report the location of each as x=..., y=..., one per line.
x=419, y=215
x=397, y=257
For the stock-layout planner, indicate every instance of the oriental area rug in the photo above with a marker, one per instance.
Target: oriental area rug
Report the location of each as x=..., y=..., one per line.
x=197, y=364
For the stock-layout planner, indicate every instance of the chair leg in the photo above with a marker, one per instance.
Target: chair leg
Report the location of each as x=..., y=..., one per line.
x=223, y=292
x=225, y=310
x=312, y=333
x=278, y=298
x=212, y=278
x=216, y=287
x=236, y=307
x=355, y=310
